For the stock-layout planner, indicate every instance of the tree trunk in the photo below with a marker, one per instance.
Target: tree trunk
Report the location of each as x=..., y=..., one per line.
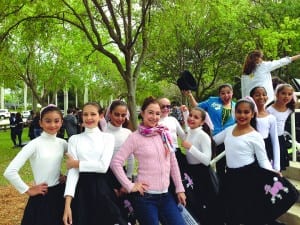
x=131, y=98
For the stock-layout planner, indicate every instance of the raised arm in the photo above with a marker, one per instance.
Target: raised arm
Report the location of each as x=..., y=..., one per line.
x=191, y=98
x=295, y=57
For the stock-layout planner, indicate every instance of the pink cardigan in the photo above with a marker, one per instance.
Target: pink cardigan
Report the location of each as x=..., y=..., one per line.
x=154, y=166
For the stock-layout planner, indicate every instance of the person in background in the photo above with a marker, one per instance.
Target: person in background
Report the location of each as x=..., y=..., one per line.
x=174, y=128
x=70, y=123
x=37, y=130
x=282, y=107
x=221, y=112
x=19, y=128
x=45, y=153
x=257, y=72
x=87, y=188
x=80, y=127
x=266, y=126
x=152, y=147
x=12, y=125
x=29, y=124
x=176, y=113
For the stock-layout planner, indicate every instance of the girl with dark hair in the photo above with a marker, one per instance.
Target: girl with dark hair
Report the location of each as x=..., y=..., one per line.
x=266, y=126
x=249, y=175
x=221, y=112
x=201, y=197
x=117, y=116
x=152, y=147
x=46, y=202
x=282, y=107
x=257, y=72
x=87, y=188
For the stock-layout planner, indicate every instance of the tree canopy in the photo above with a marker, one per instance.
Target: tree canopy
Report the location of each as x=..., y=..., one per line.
x=132, y=49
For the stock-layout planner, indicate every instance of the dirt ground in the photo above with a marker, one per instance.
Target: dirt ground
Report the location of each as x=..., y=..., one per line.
x=11, y=206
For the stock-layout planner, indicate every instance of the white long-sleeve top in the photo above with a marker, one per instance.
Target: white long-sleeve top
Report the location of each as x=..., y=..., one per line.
x=207, y=120
x=281, y=118
x=267, y=126
x=45, y=154
x=121, y=134
x=174, y=127
x=94, y=150
x=262, y=77
x=241, y=150
x=200, y=151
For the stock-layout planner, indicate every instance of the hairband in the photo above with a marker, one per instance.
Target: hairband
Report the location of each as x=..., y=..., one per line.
x=280, y=86
x=48, y=106
x=286, y=85
x=250, y=99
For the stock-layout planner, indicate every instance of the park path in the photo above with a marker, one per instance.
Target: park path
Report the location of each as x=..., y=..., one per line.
x=12, y=205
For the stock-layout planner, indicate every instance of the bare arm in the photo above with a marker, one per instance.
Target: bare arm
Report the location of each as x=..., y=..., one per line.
x=191, y=98
x=293, y=58
x=67, y=217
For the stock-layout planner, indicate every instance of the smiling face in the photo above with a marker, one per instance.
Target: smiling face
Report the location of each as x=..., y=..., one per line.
x=51, y=122
x=118, y=115
x=151, y=115
x=195, y=119
x=244, y=113
x=165, y=107
x=91, y=116
x=226, y=94
x=259, y=96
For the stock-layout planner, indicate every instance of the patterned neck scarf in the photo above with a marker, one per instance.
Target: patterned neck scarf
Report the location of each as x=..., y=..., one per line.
x=226, y=114
x=164, y=133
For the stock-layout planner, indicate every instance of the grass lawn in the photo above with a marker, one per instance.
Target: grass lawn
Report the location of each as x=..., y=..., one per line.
x=7, y=153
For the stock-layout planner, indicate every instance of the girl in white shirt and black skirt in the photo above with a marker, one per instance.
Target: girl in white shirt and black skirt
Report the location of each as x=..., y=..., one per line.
x=252, y=188
x=89, y=154
x=45, y=153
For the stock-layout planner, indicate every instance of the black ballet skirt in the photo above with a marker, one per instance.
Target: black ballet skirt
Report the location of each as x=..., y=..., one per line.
x=269, y=148
x=124, y=202
x=45, y=209
x=284, y=155
x=95, y=202
x=253, y=195
x=202, y=200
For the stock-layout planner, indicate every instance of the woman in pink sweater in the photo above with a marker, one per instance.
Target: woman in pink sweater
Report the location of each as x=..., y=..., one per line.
x=152, y=148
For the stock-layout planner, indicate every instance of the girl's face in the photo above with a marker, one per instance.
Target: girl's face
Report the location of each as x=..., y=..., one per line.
x=260, y=96
x=226, y=95
x=243, y=114
x=285, y=95
x=195, y=119
x=91, y=116
x=151, y=115
x=259, y=59
x=165, y=107
x=118, y=115
x=51, y=122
